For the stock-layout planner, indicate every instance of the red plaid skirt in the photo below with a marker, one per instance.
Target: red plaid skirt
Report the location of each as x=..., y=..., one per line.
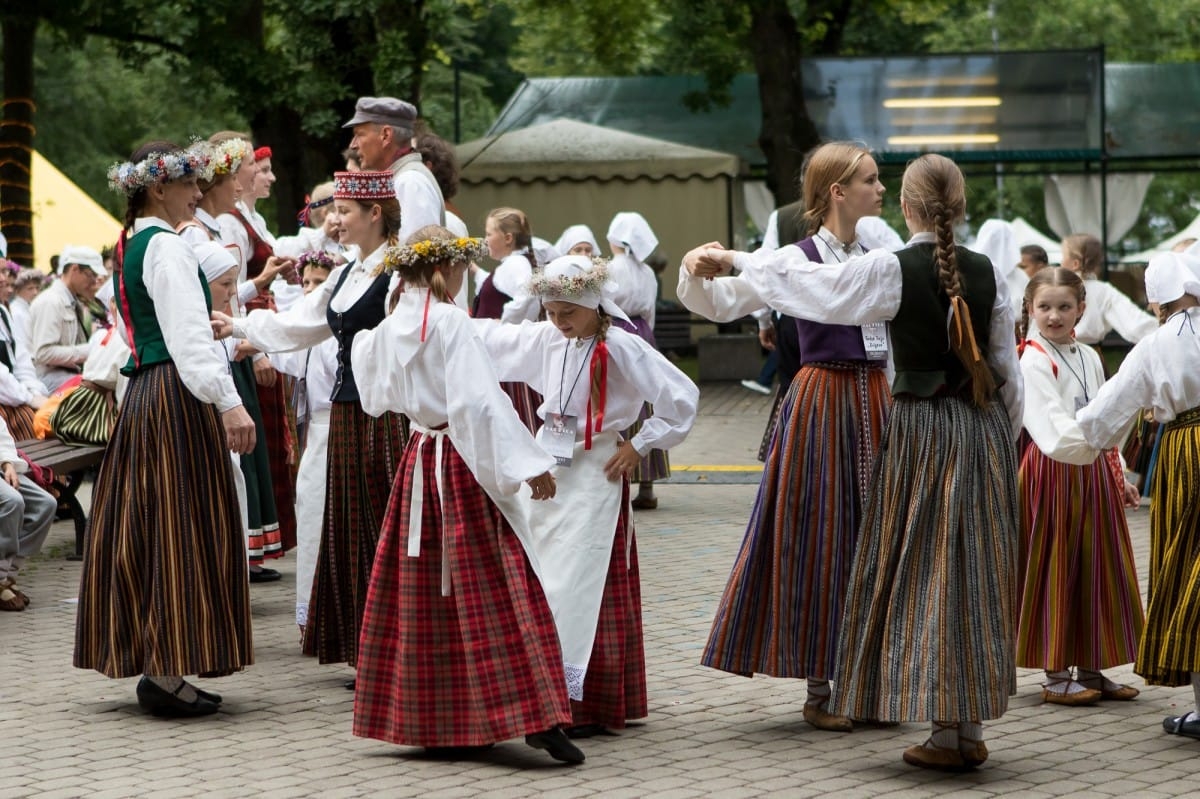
x=475, y=667
x=280, y=433
x=615, y=686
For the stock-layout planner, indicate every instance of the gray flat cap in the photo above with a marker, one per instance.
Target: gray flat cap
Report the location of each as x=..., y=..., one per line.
x=384, y=111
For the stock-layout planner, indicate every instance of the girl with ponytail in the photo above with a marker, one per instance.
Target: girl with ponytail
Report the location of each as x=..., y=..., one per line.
x=928, y=628
x=595, y=378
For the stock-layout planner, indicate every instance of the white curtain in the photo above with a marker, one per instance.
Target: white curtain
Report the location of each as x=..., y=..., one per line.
x=1073, y=203
x=759, y=202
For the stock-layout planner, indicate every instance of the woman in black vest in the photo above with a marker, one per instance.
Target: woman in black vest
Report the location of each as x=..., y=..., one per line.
x=929, y=626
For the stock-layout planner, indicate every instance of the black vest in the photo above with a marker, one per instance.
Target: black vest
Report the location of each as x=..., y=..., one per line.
x=365, y=314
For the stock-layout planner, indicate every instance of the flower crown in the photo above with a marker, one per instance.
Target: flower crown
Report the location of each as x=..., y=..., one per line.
x=575, y=285
x=433, y=251
x=317, y=258
x=129, y=178
x=224, y=158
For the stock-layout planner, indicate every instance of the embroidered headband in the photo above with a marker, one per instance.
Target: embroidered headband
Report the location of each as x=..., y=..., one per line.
x=363, y=186
x=129, y=178
x=433, y=251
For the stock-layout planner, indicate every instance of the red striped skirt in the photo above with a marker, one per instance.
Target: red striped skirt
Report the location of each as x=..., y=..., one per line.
x=477, y=666
x=19, y=419
x=614, y=689
x=526, y=401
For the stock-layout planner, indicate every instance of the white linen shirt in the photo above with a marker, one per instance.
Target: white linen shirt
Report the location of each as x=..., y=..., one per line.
x=1109, y=309
x=18, y=385
x=636, y=290
x=1050, y=400
x=1159, y=373
x=420, y=198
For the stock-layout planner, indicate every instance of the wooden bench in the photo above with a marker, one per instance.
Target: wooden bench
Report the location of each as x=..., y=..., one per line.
x=73, y=462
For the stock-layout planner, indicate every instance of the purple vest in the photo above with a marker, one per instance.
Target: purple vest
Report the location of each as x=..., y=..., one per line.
x=489, y=302
x=820, y=342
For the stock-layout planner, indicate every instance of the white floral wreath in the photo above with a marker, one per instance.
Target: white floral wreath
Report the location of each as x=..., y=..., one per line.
x=128, y=178
x=576, y=286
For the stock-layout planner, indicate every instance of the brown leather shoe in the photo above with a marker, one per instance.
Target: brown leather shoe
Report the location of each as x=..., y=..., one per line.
x=938, y=758
x=9, y=600
x=974, y=753
x=827, y=721
x=1122, y=693
x=1088, y=696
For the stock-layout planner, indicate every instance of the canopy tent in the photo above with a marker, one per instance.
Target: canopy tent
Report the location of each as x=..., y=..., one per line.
x=64, y=214
x=565, y=172
x=1026, y=233
x=1192, y=231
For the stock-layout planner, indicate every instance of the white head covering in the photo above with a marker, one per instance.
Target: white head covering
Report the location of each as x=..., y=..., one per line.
x=998, y=242
x=84, y=256
x=576, y=234
x=567, y=267
x=543, y=251
x=630, y=230
x=1170, y=275
x=215, y=260
x=874, y=233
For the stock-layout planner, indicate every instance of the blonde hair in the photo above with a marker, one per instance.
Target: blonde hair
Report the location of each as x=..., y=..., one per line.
x=514, y=222
x=1087, y=249
x=830, y=164
x=425, y=273
x=1049, y=276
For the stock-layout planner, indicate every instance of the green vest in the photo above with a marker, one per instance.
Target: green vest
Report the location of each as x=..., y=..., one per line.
x=925, y=364
x=137, y=309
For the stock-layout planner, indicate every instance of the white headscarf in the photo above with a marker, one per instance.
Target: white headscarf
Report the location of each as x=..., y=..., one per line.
x=576, y=234
x=630, y=230
x=548, y=284
x=215, y=260
x=997, y=241
x=1170, y=275
x=543, y=251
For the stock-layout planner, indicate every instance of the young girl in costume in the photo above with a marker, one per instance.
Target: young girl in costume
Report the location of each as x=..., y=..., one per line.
x=458, y=643
x=1160, y=373
x=164, y=590
x=363, y=450
x=595, y=380
x=1109, y=309
x=781, y=612
x=928, y=629
x=1080, y=603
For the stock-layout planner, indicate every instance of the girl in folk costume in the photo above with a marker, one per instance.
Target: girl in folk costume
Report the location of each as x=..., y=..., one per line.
x=781, y=612
x=164, y=590
x=1160, y=373
x=595, y=381
x=1080, y=601
x=363, y=450
x=319, y=229
x=578, y=240
x=458, y=643
x=504, y=294
x=636, y=293
x=928, y=628
x=1109, y=309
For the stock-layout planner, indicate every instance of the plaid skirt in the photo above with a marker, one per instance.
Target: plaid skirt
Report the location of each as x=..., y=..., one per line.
x=614, y=689
x=458, y=645
x=1170, y=646
x=931, y=605
x=363, y=454
x=781, y=611
x=164, y=589
x=1080, y=602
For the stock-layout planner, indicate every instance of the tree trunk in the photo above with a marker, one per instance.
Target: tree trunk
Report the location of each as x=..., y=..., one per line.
x=16, y=137
x=787, y=130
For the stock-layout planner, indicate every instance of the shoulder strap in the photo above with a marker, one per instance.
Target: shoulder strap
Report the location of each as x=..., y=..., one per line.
x=1031, y=343
x=809, y=248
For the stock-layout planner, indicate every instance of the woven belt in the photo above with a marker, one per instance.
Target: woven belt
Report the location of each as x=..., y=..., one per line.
x=1188, y=418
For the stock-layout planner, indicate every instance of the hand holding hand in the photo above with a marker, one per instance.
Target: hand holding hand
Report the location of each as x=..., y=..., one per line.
x=709, y=260
x=222, y=325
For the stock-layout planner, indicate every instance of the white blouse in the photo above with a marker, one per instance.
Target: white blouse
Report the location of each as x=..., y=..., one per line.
x=234, y=236
x=1159, y=373
x=556, y=367
x=513, y=276
x=865, y=289
x=318, y=367
x=446, y=380
x=636, y=290
x=170, y=274
x=18, y=385
x=1109, y=309
x=1051, y=400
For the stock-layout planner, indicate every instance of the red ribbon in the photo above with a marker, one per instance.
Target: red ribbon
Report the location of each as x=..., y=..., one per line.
x=425, y=318
x=598, y=366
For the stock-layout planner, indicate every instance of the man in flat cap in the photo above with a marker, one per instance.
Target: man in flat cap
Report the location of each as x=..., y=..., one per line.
x=383, y=136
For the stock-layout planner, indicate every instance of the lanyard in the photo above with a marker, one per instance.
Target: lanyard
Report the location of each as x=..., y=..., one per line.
x=562, y=404
x=1081, y=375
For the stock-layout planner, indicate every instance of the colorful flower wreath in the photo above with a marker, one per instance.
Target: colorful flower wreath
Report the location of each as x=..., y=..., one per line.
x=433, y=251
x=317, y=258
x=129, y=178
x=575, y=285
x=224, y=158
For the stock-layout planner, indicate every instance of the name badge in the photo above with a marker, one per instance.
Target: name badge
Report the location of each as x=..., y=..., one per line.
x=558, y=437
x=875, y=341
x=1079, y=403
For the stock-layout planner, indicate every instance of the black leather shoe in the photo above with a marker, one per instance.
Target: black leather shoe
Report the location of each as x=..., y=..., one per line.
x=209, y=695
x=555, y=742
x=587, y=731
x=165, y=704
x=264, y=576
x=1181, y=725
x=350, y=685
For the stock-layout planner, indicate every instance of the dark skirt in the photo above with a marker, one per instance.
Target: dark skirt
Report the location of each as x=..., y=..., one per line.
x=164, y=590
x=19, y=419
x=263, y=540
x=466, y=664
x=364, y=452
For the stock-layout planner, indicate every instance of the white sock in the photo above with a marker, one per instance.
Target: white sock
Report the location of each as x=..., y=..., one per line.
x=972, y=730
x=1196, y=693
x=818, y=693
x=1060, y=682
x=944, y=734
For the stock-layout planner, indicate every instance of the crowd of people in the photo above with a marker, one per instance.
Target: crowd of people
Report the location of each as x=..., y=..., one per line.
x=942, y=499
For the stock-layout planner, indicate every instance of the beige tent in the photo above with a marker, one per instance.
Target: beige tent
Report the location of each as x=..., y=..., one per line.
x=565, y=172
x=63, y=214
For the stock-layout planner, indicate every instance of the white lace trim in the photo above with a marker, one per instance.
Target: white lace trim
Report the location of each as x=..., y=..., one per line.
x=575, y=675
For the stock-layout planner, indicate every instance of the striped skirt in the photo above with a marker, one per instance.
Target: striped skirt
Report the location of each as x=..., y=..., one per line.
x=931, y=607
x=614, y=689
x=363, y=454
x=473, y=664
x=782, y=607
x=656, y=463
x=1170, y=647
x=526, y=401
x=164, y=589
x=262, y=517
x=279, y=431
x=19, y=419
x=1080, y=603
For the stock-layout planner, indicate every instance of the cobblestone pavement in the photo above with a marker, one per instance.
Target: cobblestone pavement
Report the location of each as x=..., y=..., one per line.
x=284, y=729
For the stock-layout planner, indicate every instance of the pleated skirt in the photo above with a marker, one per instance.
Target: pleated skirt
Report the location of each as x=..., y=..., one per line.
x=19, y=419
x=363, y=454
x=781, y=611
x=614, y=689
x=930, y=621
x=1170, y=647
x=478, y=665
x=279, y=431
x=164, y=589
x=263, y=539
x=1080, y=602
x=526, y=401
